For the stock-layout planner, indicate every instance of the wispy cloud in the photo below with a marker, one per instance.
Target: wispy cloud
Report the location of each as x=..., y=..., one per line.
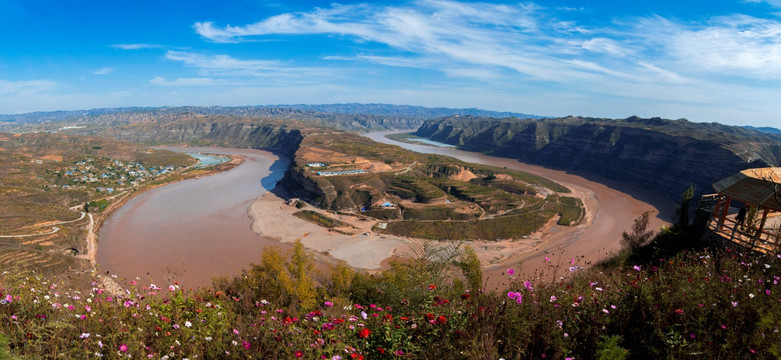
x=103, y=71
x=136, y=46
x=532, y=41
x=249, y=70
x=25, y=86
x=205, y=81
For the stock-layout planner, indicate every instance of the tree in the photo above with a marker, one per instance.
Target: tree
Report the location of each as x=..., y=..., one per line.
x=470, y=267
x=683, y=210
x=301, y=268
x=640, y=234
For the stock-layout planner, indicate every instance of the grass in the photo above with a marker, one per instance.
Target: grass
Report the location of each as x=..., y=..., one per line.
x=504, y=227
x=319, y=219
x=571, y=210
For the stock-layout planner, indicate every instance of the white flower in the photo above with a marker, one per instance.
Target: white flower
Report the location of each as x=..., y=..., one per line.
x=188, y=324
x=751, y=295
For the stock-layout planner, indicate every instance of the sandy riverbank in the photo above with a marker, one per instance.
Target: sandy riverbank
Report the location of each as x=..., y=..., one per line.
x=272, y=218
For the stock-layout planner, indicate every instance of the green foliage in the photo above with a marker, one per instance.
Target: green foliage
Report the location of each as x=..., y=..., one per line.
x=609, y=348
x=319, y=219
x=684, y=209
x=503, y=227
x=470, y=267
x=96, y=206
x=571, y=210
x=697, y=304
x=301, y=268
x=640, y=234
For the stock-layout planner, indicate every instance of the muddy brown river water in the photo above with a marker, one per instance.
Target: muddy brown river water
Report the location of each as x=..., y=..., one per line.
x=198, y=229
x=192, y=230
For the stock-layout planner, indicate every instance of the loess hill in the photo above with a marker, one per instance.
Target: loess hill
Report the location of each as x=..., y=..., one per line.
x=658, y=154
x=420, y=195
x=45, y=181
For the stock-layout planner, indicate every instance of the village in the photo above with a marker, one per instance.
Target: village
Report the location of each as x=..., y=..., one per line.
x=106, y=175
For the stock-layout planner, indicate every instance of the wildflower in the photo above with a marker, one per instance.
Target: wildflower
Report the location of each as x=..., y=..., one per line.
x=606, y=311
x=336, y=357
x=364, y=333
x=519, y=298
x=235, y=331
x=441, y=320
x=547, y=259
x=84, y=336
x=364, y=315
x=299, y=354
x=188, y=324
x=751, y=295
x=510, y=271
x=329, y=304
x=246, y=344
x=679, y=311
x=734, y=304
x=636, y=267
x=528, y=285
x=553, y=298
x=432, y=287
x=123, y=348
x=208, y=338
x=171, y=288
x=511, y=294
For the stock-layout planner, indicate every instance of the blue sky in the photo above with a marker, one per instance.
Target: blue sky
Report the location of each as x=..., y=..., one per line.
x=701, y=60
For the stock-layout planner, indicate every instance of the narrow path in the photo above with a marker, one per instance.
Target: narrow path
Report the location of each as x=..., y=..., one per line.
x=53, y=230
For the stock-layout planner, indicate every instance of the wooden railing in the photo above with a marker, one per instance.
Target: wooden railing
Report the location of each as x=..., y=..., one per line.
x=766, y=241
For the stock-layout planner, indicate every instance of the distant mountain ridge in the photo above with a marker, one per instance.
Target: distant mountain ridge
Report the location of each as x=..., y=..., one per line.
x=658, y=154
x=764, y=129
x=350, y=116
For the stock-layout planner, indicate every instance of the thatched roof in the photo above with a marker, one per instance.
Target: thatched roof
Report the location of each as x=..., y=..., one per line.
x=752, y=186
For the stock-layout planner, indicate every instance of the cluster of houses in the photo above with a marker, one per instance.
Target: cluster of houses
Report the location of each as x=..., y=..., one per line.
x=110, y=173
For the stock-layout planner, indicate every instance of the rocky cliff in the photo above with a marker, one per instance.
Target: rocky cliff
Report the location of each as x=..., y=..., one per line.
x=660, y=155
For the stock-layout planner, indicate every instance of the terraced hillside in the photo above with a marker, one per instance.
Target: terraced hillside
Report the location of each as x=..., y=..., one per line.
x=419, y=195
x=45, y=181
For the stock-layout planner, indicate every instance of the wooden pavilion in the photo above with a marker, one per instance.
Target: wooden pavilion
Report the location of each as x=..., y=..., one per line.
x=759, y=190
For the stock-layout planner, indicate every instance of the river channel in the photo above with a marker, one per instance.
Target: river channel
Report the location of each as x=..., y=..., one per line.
x=197, y=229
x=193, y=230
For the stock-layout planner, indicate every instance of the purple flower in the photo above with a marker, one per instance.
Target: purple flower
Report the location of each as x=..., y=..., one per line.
x=636, y=267
x=510, y=271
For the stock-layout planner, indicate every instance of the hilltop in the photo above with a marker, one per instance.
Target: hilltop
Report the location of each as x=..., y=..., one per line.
x=658, y=154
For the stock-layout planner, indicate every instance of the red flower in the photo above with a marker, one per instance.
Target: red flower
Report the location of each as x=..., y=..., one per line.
x=356, y=356
x=387, y=317
x=299, y=354
x=429, y=316
x=679, y=311
x=364, y=333
x=432, y=287
x=380, y=350
x=465, y=296
x=441, y=320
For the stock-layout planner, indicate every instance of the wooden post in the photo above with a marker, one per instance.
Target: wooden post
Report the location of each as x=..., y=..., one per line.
x=724, y=212
x=761, y=227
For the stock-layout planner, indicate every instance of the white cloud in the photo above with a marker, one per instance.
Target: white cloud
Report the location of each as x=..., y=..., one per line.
x=136, y=46
x=25, y=87
x=103, y=71
x=160, y=81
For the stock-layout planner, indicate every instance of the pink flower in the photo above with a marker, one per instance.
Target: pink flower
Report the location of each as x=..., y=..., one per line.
x=329, y=304
x=510, y=271
x=123, y=348
x=519, y=298
x=528, y=285
x=636, y=267
x=171, y=288
x=511, y=294
x=235, y=331
x=547, y=259
x=246, y=344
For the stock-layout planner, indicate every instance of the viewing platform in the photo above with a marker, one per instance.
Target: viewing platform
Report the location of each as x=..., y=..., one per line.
x=755, y=223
